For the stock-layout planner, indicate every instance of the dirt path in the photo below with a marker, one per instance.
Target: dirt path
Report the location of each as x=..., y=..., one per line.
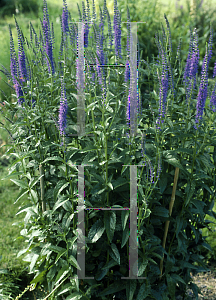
x=206, y=281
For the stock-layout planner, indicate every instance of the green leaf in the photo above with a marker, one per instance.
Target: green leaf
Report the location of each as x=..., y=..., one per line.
x=39, y=277
x=110, y=223
x=60, y=254
x=50, y=275
x=125, y=237
x=21, y=194
x=60, y=202
x=68, y=222
x=199, y=205
x=57, y=158
x=205, y=162
x=152, y=260
x=110, y=264
x=156, y=254
x=12, y=174
x=110, y=185
x=34, y=258
x=192, y=186
x=174, y=162
x=20, y=183
x=142, y=267
x=170, y=123
x=144, y=291
x=170, y=262
x=96, y=231
x=160, y=211
x=131, y=288
x=66, y=288
x=124, y=217
x=72, y=241
x=185, y=264
x=34, y=196
x=89, y=148
x=63, y=186
x=55, y=248
x=90, y=288
x=140, y=188
x=61, y=274
x=24, y=208
x=59, y=186
x=74, y=296
x=207, y=188
x=116, y=253
x=74, y=262
x=100, y=274
x=163, y=183
x=207, y=246
x=177, y=278
x=117, y=286
x=171, y=286
x=194, y=287
x=179, y=225
x=119, y=182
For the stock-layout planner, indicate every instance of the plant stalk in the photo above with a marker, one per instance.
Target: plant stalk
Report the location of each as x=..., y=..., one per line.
x=170, y=212
x=43, y=202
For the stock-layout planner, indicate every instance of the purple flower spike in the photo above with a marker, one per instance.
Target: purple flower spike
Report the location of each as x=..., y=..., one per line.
x=48, y=39
x=65, y=18
x=213, y=100
x=187, y=67
x=164, y=84
x=63, y=109
x=214, y=71
x=201, y=2
x=202, y=91
x=128, y=109
x=127, y=72
x=202, y=95
x=86, y=28
x=13, y=58
x=21, y=55
x=127, y=69
x=168, y=29
x=109, y=30
x=191, y=68
x=19, y=93
x=159, y=169
x=117, y=30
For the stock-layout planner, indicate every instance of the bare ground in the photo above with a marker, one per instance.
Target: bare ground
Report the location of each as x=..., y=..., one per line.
x=206, y=281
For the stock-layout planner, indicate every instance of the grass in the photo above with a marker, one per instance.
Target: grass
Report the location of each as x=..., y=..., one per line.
x=9, y=244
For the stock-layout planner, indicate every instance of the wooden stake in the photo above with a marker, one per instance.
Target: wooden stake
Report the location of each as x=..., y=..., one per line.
x=170, y=212
x=43, y=203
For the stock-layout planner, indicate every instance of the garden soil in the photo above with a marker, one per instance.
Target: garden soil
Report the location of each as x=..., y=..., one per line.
x=206, y=281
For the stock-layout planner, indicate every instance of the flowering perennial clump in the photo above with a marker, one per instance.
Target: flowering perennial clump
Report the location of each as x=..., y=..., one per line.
x=20, y=67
